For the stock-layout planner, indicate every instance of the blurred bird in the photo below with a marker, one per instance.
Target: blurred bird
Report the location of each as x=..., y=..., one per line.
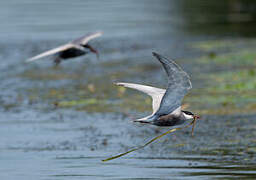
x=75, y=48
x=166, y=104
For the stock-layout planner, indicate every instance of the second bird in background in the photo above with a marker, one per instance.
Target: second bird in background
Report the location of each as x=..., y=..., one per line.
x=75, y=48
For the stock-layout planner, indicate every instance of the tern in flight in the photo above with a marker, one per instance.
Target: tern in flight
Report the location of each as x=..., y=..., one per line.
x=75, y=48
x=167, y=103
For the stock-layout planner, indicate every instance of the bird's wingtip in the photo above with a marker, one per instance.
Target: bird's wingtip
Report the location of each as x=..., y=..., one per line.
x=154, y=53
x=162, y=58
x=158, y=56
x=118, y=83
x=29, y=60
x=99, y=33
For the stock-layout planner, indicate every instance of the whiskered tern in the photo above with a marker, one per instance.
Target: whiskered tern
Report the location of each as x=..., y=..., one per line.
x=75, y=48
x=166, y=103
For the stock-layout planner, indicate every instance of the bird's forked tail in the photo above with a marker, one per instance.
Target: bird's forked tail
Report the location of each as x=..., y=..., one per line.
x=149, y=119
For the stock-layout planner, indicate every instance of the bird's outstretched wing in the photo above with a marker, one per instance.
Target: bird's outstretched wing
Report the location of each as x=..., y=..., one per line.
x=178, y=86
x=54, y=51
x=155, y=93
x=86, y=38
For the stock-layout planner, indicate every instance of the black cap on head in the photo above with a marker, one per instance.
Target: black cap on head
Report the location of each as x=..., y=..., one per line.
x=188, y=113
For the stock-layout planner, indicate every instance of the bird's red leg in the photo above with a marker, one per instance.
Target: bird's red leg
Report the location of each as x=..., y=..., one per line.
x=57, y=61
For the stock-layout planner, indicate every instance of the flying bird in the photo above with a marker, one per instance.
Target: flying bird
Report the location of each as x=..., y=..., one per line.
x=75, y=48
x=166, y=103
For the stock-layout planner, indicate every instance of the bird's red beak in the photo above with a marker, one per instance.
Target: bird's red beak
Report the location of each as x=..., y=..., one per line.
x=196, y=117
x=93, y=51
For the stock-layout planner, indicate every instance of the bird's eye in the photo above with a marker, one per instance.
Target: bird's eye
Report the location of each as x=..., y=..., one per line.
x=188, y=113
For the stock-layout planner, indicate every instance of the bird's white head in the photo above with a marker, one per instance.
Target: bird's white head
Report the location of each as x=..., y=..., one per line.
x=189, y=115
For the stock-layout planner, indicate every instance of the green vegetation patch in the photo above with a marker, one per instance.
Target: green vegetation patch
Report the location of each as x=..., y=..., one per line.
x=241, y=58
x=229, y=91
x=230, y=44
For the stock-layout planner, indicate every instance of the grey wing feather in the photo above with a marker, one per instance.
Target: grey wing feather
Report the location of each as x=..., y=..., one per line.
x=155, y=93
x=86, y=38
x=178, y=86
